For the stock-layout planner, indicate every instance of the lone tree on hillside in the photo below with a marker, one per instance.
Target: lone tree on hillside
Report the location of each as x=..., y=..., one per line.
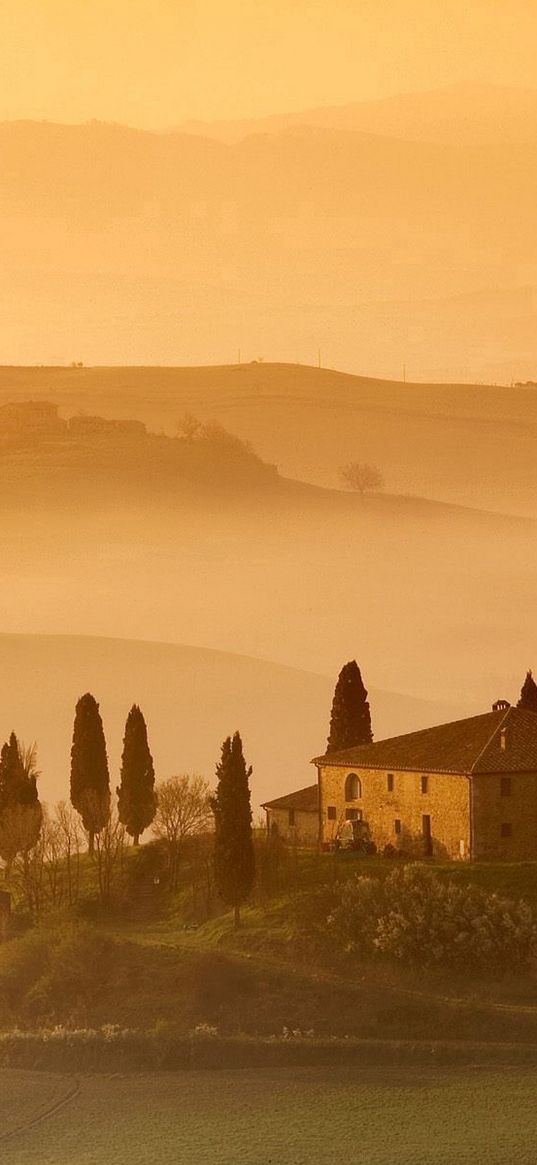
x=137, y=800
x=90, y=781
x=21, y=815
x=362, y=478
x=528, y=695
x=350, y=722
x=234, y=860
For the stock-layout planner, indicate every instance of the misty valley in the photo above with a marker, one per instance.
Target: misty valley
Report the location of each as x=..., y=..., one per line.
x=268, y=629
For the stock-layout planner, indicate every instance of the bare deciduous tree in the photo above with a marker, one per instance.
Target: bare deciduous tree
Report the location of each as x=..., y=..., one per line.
x=183, y=810
x=109, y=851
x=69, y=833
x=361, y=477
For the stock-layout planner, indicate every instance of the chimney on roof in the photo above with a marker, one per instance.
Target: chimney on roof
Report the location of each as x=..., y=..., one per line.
x=501, y=706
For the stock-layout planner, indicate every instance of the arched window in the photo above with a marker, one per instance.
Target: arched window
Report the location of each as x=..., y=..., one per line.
x=353, y=787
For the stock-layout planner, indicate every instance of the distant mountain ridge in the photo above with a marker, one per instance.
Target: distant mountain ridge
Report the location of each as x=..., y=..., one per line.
x=478, y=113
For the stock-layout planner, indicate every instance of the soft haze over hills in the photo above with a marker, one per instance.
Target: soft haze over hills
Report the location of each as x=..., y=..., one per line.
x=192, y=699
x=472, y=445
x=387, y=234
x=474, y=113
x=263, y=565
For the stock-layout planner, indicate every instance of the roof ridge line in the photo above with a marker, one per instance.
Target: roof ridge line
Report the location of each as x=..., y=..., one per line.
x=491, y=738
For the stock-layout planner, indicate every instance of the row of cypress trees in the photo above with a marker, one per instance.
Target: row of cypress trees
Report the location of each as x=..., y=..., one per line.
x=90, y=778
x=234, y=859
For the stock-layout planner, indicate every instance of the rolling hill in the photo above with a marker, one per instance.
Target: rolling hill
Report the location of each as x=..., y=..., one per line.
x=470, y=445
x=122, y=246
x=192, y=699
x=434, y=599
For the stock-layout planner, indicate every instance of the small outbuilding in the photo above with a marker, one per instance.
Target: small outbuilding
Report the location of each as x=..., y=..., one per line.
x=295, y=817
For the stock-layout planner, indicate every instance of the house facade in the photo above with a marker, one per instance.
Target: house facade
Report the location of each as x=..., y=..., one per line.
x=464, y=790
x=295, y=817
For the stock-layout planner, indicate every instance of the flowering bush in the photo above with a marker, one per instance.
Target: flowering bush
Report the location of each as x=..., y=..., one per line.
x=414, y=916
x=205, y=1030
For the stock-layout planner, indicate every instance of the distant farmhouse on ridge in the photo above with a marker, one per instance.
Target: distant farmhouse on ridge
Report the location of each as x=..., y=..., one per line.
x=464, y=790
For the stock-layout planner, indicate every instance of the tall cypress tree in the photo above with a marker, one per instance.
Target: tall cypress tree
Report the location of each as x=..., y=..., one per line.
x=21, y=815
x=137, y=801
x=350, y=722
x=528, y=695
x=90, y=782
x=234, y=859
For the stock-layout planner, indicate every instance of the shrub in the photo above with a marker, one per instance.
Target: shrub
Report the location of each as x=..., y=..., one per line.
x=415, y=917
x=43, y=970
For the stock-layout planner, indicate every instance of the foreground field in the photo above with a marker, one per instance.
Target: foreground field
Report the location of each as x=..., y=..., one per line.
x=290, y=1117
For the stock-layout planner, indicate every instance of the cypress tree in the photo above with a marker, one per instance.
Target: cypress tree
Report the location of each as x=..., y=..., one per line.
x=90, y=782
x=137, y=801
x=234, y=859
x=528, y=694
x=21, y=815
x=350, y=722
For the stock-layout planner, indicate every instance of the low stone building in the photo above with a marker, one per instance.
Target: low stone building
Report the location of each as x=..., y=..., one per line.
x=30, y=421
x=465, y=790
x=295, y=817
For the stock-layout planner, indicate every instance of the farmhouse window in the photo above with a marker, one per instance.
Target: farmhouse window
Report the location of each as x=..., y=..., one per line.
x=505, y=786
x=390, y=782
x=353, y=787
x=331, y=813
x=425, y=784
x=397, y=825
x=353, y=815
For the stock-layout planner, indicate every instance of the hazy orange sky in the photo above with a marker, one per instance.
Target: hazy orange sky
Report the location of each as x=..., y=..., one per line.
x=154, y=63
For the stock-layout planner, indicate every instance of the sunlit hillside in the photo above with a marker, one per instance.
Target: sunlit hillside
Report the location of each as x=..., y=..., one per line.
x=472, y=445
x=108, y=535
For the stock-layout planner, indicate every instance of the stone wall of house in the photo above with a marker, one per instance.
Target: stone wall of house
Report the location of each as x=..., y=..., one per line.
x=446, y=802
x=504, y=811
x=304, y=830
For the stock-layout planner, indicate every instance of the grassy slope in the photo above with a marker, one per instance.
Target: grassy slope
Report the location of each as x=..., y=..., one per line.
x=149, y=971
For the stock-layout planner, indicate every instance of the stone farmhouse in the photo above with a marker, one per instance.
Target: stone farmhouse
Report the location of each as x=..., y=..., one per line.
x=465, y=790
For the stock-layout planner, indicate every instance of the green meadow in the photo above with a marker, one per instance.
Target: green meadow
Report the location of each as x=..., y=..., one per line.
x=299, y=1116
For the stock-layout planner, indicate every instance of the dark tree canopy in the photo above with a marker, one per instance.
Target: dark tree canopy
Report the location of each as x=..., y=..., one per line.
x=350, y=722
x=21, y=815
x=234, y=859
x=90, y=782
x=137, y=800
x=528, y=695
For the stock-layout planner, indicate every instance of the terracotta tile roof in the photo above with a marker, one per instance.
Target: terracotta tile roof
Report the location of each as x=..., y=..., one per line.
x=464, y=746
x=305, y=800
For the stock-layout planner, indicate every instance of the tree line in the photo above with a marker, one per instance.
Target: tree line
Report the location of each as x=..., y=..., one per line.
x=47, y=847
